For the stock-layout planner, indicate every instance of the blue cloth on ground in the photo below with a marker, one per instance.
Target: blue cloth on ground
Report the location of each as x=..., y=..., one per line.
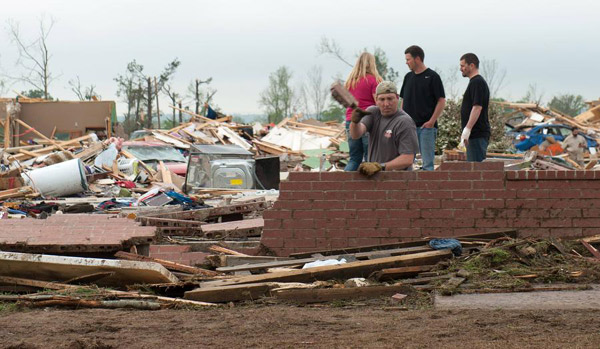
x=442, y=244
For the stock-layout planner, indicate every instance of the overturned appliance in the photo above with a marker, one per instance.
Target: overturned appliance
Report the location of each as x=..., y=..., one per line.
x=219, y=166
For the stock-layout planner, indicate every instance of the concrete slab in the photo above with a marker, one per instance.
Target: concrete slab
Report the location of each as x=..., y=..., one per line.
x=568, y=300
x=61, y=268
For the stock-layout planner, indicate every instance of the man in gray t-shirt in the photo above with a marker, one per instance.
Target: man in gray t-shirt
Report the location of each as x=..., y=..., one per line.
x=393, y=139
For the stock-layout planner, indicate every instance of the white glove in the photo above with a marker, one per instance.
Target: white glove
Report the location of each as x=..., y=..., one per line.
x=466, y=133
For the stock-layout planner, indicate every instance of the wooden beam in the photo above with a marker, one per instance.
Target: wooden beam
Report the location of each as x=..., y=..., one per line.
x=342, y=271
x=40, y=134
x=221, y=249
x=319, y=295
x=231, y=293
x=399, y=273
x=35, y=283
x=359, y=255
x=167, y=264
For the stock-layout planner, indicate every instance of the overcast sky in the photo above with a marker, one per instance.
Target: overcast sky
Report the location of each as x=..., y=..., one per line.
x=553, y=44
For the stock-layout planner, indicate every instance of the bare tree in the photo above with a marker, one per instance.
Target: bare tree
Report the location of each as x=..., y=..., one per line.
x=152, y=89
x=493, y=75
x=331, y=47
x=315, y=91
x=87, y=93
x=34, y=57
x=196, y=92
x=174, y=97
x=533, y=95
x=129, y=88
x=450, y=80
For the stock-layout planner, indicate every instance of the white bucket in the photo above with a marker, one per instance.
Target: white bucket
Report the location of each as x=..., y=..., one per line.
x=65, y=178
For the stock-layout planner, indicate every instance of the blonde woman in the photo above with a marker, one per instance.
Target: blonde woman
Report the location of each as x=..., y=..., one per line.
x=361, y=82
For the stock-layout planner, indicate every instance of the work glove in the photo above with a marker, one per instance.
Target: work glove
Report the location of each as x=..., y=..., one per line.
x=466, y=133
x=358, y=114
x=369, y=168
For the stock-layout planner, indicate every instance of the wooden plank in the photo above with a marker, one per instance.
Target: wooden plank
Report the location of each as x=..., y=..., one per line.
x=342, y=271
x=291, y=262
x=165, y=174
x=592, y=249
x=221, y=249
x=90, y=151
x=231, y=293
x=167, y=264
x=399, y=273
x=21, y=122
x=35, y=283
x=230, y=261
x=319, y=295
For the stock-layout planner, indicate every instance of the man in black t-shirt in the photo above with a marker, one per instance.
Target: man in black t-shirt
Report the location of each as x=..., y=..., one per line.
x=474, y=110
x=423, y=99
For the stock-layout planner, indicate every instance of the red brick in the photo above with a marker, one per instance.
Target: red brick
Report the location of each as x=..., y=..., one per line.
x=392, y=185
x=275, y=214
x=296, y=243
x=441, y=213
x=566, y=232
x=521, y=203
x=423, y=185
x=272, y=242
x=309, y=214
x=395, y=204
x=309, y=233
x=456, y=166
x=346, y=214
x=303, y=176
x=339, y=195
x=571, y=213
x=400, y=213
x=470, y=176
x=273, y=223
x=298, y=224
x=358, y=242
x=340, y=233
x=471, y=194
x=397, y=176
x=535, y=232
x=340, y=176
x=525, y=223
x=436, y=194
x=173, y=248
x=556, y=222
x=295, y=186
x=363, y=223
x=488, y=184
x=433, y=176
x=533, y=213
x=491, y=203
x=457, y=204
x=394, y=222
x=328, y=205
x=500, y=194
x=424, y=204
x=586, y=222
x=327, y=186
x=360, y=185
x=470, y=213
x=457, y=185
x=361, y=204
x=590, y=212
x=370, y=195
x=520, y=185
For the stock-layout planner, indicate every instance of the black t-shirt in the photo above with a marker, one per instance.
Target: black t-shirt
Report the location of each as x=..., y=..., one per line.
x=477, y=93
x=420, y=94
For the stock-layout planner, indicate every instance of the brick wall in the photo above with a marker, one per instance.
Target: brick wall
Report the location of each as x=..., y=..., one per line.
x=318, y=211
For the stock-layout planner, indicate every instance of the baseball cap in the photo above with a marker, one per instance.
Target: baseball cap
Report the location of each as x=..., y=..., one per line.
x=386, y=87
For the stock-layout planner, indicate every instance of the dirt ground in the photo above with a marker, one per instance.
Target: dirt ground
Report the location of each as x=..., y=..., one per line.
x=289, y=326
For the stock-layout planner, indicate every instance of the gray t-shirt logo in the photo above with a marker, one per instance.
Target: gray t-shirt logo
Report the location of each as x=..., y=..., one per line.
x=388, y=134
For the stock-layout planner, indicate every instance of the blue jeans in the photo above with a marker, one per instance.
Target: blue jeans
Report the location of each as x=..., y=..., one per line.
x=426, y=138
x=477, y=149
x=358, y=149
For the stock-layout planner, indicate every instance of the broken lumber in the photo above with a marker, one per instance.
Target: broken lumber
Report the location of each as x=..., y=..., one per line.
x=399, y=273
x=231, y=293
x=35, y=283
x=221, y=249
x=319, y=295
x=167, y=264
x=291, y=262
x=342, y=271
